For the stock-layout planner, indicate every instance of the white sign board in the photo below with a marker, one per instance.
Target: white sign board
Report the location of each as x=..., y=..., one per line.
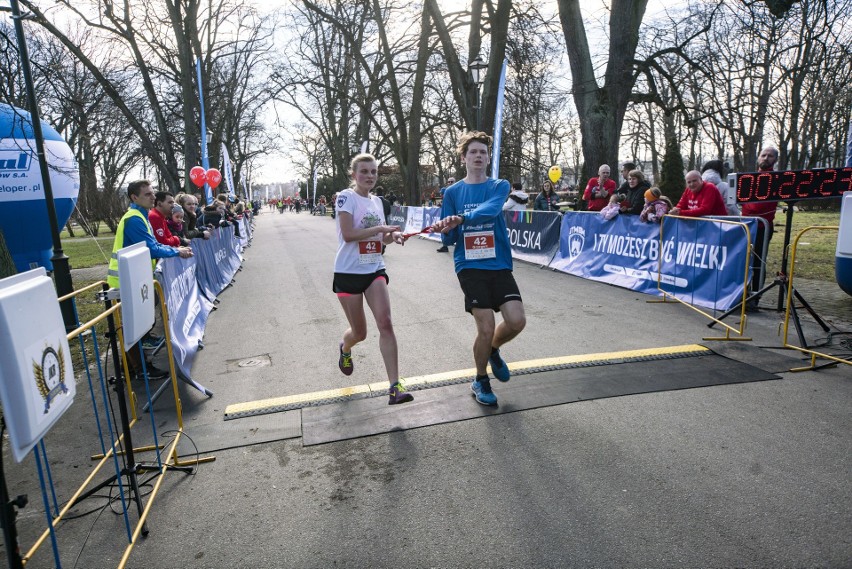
x=136, y=287
x=36, y=380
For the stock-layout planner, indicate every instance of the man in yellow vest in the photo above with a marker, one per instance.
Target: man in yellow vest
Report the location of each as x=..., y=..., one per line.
x=135, y=228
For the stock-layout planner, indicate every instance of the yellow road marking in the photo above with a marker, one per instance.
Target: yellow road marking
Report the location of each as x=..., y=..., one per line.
x=424, y=381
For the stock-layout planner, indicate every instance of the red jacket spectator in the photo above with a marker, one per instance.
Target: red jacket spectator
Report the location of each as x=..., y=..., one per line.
x=706, y=201
x=594, y=196
x=161, y=230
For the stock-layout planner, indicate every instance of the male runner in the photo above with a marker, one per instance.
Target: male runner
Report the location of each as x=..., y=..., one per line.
x=472, y=219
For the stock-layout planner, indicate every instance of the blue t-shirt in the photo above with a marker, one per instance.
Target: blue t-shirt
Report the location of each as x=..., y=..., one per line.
x=482, y=241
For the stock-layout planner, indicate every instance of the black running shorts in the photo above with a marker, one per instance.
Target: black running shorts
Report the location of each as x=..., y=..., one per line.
x=487, y=289
x=349, y=283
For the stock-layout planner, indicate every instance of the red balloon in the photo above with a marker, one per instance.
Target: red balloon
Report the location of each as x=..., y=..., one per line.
x=198, y=176
x=213, y=177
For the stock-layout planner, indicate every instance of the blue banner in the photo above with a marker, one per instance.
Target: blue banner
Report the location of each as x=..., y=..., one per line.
x=699, y=261
x=188, y=309
x=218, y=260
x=534, y=235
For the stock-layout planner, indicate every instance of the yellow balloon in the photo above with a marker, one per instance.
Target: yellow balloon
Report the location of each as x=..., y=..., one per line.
x=554, y=173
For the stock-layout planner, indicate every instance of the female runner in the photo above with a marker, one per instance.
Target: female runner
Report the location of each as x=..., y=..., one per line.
x=359, y=270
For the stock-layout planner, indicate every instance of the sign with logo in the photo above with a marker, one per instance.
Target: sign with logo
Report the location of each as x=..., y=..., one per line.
x=218, y=261
x=136, y=285
x=23, y=213
x=36, y=379
x=534, y=235
x=188, y=309
x=698, y=261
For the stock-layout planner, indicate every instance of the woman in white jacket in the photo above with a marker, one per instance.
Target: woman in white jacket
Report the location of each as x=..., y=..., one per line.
x=517, y=200
x=712, y=172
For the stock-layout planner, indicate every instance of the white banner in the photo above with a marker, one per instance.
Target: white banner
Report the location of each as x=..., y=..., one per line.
x=226, y=171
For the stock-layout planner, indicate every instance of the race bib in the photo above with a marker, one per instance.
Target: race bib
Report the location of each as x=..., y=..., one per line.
x=479, y=245
x=369, y=252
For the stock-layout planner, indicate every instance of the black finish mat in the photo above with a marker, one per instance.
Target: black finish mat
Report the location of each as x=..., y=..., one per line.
x=223, y=435
x=363, y=417
x=763, y=358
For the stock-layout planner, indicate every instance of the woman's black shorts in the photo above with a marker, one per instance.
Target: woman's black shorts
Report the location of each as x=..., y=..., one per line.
x=349, y=283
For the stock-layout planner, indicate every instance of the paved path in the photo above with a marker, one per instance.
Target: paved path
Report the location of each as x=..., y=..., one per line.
x=749, y=475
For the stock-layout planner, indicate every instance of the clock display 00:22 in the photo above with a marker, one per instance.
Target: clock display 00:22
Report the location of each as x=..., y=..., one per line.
x=793, y=184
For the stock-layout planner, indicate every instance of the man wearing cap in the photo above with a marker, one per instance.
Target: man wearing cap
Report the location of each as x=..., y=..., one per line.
x=450, y=182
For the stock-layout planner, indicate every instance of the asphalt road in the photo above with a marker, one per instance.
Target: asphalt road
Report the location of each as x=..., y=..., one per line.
x=747, y=475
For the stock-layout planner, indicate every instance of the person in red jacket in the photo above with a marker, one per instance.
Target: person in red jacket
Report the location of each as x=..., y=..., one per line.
x=699, y=199
x=599, y=189
x=157, y=216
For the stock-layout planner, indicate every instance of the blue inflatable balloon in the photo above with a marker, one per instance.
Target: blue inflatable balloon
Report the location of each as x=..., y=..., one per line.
x=23, y=212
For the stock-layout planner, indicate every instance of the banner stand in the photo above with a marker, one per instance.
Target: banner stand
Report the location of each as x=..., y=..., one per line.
x=666, y=295
x=130, y=465
x=780, y=280
x=175, y=372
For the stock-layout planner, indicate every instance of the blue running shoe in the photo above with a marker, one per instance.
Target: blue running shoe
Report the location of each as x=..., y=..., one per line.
x=482, y=392
x=499, y=367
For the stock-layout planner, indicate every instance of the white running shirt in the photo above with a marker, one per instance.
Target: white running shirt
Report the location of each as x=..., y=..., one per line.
x=365, y=256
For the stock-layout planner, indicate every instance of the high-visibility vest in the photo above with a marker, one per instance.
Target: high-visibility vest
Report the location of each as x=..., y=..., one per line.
x=112, y=270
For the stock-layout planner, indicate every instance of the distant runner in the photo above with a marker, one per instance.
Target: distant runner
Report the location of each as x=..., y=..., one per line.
x=472, y=219
x=359, y=270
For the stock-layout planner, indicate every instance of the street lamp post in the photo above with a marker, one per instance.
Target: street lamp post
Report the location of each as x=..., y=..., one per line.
x=61, y=267
x=477, y=69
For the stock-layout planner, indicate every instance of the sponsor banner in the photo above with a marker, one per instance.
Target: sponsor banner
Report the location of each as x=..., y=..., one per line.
x=398, y=216
x=698, y=261
x=430, y=216
x=218, y=260
x=244, y=234
x=229, y=174
x=237, y=246
x=534, y=235
x=414, y=219
x=188, y=309
x=247, y=224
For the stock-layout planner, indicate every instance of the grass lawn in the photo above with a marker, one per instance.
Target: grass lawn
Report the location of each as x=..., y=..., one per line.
x=88, y=308
x=816, y=251
x=87, y=251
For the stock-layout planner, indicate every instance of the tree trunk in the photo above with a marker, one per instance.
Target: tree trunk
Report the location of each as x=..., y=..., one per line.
x=601, y=109
x=412, y=180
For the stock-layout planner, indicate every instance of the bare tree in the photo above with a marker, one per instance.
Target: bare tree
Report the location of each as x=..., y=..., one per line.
x=601, y=108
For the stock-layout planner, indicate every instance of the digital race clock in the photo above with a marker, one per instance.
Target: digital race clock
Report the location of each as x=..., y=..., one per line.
x=792, y=184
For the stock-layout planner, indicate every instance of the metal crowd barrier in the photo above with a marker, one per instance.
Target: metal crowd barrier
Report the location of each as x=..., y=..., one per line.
x=790, y=310
x=740, y=330
x=114, y=439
